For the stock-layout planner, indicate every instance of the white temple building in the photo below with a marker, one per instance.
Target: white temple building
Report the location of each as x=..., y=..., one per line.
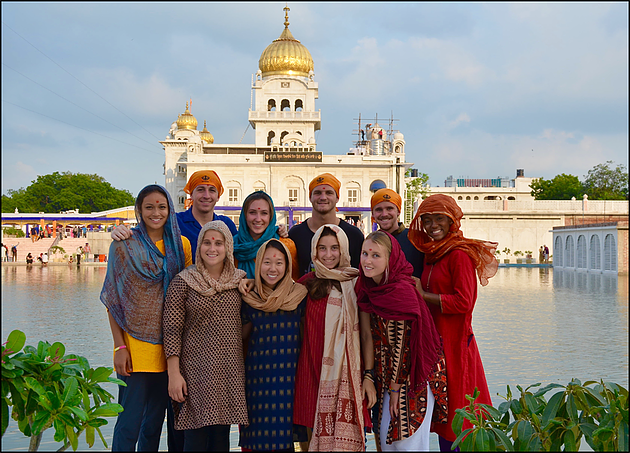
x=285, y=158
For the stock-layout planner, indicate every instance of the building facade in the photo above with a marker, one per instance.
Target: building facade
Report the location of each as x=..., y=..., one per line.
x=285, y=158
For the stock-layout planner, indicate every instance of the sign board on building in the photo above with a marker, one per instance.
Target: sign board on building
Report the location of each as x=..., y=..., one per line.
x=301, y=156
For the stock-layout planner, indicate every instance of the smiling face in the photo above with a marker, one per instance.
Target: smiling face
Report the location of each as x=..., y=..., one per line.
x=386, y=215
x=273, y=266
x=212, y=250
x=258, y=216
x=436, y=225
x=374, y=260
x=154, y=211
x=324, y=199
x=204, y=198
x=328, y=251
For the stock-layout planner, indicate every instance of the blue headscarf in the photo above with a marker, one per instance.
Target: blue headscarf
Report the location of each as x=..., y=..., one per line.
x=245, y=248
x=138, y=275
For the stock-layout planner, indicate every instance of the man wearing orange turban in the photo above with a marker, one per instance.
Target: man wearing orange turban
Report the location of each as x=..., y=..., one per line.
x=204, y=188
x=323, y=193
x=386, y=206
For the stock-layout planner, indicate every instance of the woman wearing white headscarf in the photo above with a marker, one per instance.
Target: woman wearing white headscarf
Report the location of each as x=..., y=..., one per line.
x=203, y=346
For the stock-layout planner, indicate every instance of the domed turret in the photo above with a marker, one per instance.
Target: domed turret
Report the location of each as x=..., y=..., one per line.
x=205, y=135
x=186, y=120
x=286, y=55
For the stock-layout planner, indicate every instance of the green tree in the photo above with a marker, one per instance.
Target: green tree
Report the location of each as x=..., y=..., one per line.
x=606, y=183
x=64, y=191
x=561, y=187
x=415, y=186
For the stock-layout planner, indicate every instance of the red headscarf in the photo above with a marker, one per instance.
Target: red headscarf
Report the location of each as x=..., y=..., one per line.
x=481, y=252
x=397, y=298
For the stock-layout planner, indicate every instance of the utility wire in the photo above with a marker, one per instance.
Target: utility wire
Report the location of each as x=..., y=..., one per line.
x=78, y=79
x=87, y=130
x=76, y=105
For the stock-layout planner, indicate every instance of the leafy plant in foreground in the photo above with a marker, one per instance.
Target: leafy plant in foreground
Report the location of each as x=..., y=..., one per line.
x=597, y=412
x=46, y=388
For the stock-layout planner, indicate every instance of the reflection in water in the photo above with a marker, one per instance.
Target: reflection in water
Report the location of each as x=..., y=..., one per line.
x=552, y=327
x=532, y=324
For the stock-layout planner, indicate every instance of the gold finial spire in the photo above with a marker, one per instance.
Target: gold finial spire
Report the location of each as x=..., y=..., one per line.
x=286, y=15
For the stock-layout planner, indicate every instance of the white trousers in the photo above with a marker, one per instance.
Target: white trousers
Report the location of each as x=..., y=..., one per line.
x=419, y=441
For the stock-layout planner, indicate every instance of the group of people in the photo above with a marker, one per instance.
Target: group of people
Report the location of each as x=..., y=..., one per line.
x=315, y=336
x=543, y=254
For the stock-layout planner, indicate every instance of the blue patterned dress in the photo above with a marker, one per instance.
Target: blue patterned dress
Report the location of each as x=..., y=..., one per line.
x=272, y=354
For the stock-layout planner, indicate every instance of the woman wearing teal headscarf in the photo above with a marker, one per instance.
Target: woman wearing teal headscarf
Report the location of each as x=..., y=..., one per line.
x=257, y=224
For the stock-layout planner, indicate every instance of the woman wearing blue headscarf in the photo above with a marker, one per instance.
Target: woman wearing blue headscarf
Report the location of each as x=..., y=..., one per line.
x=139, y=271
x=257, y=224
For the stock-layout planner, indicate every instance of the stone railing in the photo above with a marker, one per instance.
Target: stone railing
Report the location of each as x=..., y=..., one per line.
x=545, y=206
x=262, y=115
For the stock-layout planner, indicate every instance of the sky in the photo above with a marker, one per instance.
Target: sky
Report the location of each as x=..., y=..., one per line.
x=478, y=89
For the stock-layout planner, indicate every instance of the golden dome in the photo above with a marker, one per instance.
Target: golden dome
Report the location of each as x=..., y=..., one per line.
x=186, y=120
x=205, y=135
x=286, y=55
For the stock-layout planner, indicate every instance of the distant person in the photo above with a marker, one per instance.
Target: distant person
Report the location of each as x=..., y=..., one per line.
x=449, y=287
x=87, y=250
x=71, y=259
x=29, y=259
x=546, y=254
x=33, y=234
x=84, y=231
x=324, y=196
x=5, y=252
x=79, y=254
x=204, y=188
x=139, y=271
x=45, y=259
x=14, y=253
x=541, y=254
x=386, y=205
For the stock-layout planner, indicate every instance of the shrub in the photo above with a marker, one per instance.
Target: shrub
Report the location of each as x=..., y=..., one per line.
x=597, y=412
x=46, y=388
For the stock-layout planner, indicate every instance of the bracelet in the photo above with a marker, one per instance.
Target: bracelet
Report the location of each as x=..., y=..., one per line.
x=119, y=348
x=369, y=373
x=395, y=391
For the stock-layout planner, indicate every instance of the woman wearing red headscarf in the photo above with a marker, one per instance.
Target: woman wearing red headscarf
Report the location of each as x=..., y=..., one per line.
x=448, y=285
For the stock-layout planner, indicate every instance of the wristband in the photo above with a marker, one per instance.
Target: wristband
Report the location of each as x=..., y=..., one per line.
x=120, y=347
x=369, y=373
x=395, y=391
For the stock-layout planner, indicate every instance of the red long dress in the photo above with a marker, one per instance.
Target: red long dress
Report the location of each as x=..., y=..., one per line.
x=454, y=278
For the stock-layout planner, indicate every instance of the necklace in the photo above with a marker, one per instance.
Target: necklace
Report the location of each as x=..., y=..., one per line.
x=429, y=278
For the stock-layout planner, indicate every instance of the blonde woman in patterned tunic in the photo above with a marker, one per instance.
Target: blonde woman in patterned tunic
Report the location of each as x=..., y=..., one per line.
x=202, y=341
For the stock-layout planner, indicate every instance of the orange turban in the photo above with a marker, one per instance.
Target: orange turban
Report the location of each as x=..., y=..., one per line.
x=204, y=177
x=325, y=178
x=386, y=195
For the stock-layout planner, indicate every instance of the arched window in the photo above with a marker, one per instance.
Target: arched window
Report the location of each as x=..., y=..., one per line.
x=271, y=105
x=610, y=253
x=460, y=198
x=285, y=106
x=259, y=185
x=511, y=198
x=476, y=197
x=299, y=105
x=581, y=252
x=569, y=252
x=376, y=185
x=557, y=258
x=270, y=137
x=596, y=254
x=468, y=198
x=285, y=133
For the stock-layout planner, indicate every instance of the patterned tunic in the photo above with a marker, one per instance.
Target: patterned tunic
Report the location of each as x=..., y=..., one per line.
x=205, y=332
x=392, y=363
x=272, y=355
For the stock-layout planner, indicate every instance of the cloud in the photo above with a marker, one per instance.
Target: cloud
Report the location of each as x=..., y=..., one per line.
x=461, y=118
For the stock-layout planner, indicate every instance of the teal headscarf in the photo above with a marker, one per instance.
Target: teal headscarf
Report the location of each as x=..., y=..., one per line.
x=245, y=248
x=138, y=275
